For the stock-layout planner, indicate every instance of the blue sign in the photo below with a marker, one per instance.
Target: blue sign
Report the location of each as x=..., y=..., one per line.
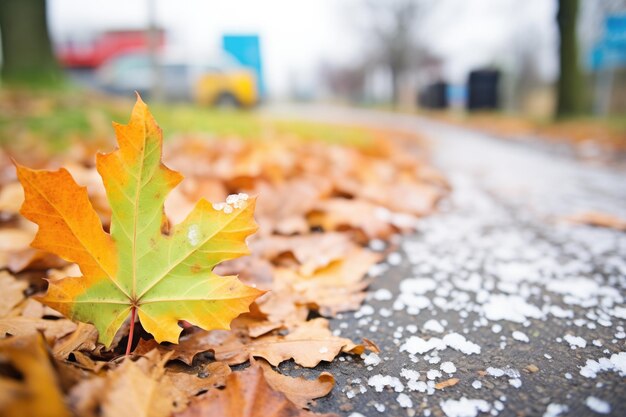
x=610, y=52
x=247, y=50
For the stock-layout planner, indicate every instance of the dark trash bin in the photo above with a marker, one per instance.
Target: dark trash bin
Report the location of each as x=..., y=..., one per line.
x=482, y=89
x=434, y=96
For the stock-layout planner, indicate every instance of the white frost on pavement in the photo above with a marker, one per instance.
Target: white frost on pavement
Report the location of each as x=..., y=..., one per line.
x=433, y=326
x=417, y=345
x=464, y=407
x=575, y=341
x=616, y=363
x=448, y=367
x=379, y=382
x=598, y=405
x=521, y=337
x=510, y=307
x=555, y=410
x=370, y=359
x=404, y=401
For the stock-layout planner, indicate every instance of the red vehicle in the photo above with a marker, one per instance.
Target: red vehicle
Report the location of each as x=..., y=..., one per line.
x=91, y=52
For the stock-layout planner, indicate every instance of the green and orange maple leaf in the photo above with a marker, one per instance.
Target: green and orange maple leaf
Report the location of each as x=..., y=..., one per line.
x=137, y=268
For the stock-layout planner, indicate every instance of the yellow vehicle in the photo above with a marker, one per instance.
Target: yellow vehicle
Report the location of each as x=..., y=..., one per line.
x=235, y=87
x=219, y=82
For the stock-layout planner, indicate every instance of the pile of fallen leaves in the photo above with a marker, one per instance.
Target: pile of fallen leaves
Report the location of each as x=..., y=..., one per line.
x=317, y=207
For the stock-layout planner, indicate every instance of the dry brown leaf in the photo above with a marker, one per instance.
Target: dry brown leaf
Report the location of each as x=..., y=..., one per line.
x=34, y=309
x=188, y=346
x=31, y=258
x=415, y=198
x=11, y=198
x=255, y=327
x=23, y=326
x=214, y=374
x=312, y=251
x=13, y=239
x=85, y=362
x=343, y=214
x=283, y=207
x=598, y=219
x=300, y=391
x=371, y=346
x=12, y=292
x=447, y=383
x=307, y=344
x=36, y=392
x=247, y=394
x=252, y=270
x=281, y=306
x=132, y=389
x=83, y=338
x=70, y=373
x=338, y=287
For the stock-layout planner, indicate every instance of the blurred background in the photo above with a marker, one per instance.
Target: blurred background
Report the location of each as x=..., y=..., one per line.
x=523, y=63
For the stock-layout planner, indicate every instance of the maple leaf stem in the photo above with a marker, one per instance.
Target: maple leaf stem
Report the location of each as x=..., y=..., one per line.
x=133, y=312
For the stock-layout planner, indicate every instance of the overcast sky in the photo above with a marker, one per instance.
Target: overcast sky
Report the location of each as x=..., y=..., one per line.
x=297, y=35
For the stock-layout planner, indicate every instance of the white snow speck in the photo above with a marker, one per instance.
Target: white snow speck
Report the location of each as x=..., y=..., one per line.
x=579, y=288
x=555, y=410
x=515, y=382
x=458, y=342
x=371, y=359
x=409, y=374
x=464, y=407
x=619, y=312
x=510, y=307
x=365, y=310
x=616, y=363
x=433, y=374
x=379, y=382
x=433, y=326
x=377, y=244
x=477, y=384
x=417, y=285
x=497, y=372
x=519, y=336
x=598, y=405
x=448, y=367
x=394, y=258
x=323, y=349
x=383, y=294
x=404, y=401
x=193, y=235
x=419, y=386
x=575, y=341
x=417, y=345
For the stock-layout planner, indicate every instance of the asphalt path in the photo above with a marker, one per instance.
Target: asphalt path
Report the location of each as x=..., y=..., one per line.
x=496, y=290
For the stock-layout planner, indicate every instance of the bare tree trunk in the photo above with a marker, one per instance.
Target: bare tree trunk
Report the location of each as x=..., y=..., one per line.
x=394, y=73
x=27, y=52
x=156, y=89
x=570, y=84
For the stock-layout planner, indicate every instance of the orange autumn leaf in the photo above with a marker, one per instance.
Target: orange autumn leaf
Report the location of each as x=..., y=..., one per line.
x=137, y=268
